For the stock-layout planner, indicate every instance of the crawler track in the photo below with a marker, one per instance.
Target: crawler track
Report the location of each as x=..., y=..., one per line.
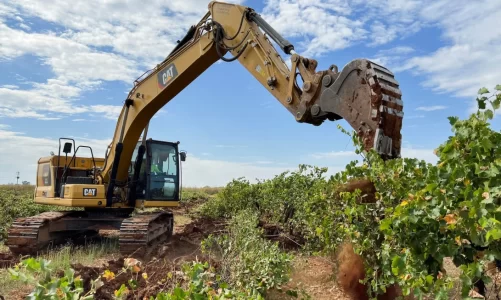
x=28, y=236
x=140, y=235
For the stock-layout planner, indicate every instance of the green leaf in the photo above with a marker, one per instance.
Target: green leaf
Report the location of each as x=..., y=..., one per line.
x=133, y=283
x=385, y=224
x=486, y=143
x=179, y=293
x=292, y=293
x=397, y=265
x=453, y=120
x=495, y=234
x=498, y=87
x=487, y=201
x=489, y=114
x=431, y=187
x=496, y=103
x=481, y=104
x=483, y=91
x=319, y=231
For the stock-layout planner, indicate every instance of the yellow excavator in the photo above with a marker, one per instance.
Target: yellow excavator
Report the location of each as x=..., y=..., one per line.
x=139, y=173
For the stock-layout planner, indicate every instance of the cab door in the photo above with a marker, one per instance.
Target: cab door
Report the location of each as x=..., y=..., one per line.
x=162, y=171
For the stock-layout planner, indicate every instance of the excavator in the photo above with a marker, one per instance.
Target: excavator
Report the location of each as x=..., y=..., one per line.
x=138, y=172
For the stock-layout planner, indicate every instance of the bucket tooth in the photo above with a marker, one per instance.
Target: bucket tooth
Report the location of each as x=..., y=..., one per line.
x=368, y=97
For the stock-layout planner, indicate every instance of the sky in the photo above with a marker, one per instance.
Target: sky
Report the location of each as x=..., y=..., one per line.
x=66, y=69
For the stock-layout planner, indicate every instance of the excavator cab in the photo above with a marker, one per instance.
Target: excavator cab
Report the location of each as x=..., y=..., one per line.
x=159, y=177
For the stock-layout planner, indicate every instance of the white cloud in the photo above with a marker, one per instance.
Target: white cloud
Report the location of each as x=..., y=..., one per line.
x=327, y=25
x=422, y=154
x=202, y=172
x=72, y=56
x=382, y=34
x=397, y=50
x=473, y=47
x=136, y=35
x=43, y=99
x=24, y=26
x=414, y=117
x=21, y=153
x=69, y=60
x=431, y=108
x=393, y=58
x=231, y=146
x=5, y=10
x=77, y=68
x=322, y=25
x=342, y=158
x=109, y=111
x=334, y=154
x=49, y=118
x=9, y=86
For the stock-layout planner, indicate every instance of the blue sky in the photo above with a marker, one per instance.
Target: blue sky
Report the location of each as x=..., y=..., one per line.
x=67, y=67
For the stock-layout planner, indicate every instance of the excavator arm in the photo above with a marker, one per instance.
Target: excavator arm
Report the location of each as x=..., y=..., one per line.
x=363, y=93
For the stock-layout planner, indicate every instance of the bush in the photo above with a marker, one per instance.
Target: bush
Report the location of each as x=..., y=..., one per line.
x=38, y=272
x=284, y=199
x=247, y=259
x=420, y=214
x=17, y=201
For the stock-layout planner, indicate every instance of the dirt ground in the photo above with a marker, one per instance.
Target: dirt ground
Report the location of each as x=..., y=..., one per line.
x=313, y=275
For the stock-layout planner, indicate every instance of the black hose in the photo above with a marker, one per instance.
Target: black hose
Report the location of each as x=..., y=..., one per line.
x=218, y=40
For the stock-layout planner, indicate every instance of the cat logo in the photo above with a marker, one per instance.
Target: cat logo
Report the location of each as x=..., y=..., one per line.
x=166, y=75
x=90, y=192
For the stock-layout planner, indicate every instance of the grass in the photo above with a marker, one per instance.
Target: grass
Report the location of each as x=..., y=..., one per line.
x=181, y=220
x=17, y=201
x=207, y=189
x=62, y=258
x=198, y=194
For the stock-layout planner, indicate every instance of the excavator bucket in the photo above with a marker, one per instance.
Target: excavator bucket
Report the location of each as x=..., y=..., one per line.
x=368, y=97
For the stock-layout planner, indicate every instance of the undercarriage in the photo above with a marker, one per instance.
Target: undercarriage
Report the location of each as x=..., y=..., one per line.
x=138, y=234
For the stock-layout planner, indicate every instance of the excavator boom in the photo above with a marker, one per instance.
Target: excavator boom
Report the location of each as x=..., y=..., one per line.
x=363, y=93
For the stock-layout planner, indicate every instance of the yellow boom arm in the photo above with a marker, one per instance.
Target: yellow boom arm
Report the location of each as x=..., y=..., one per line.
x=365, y=94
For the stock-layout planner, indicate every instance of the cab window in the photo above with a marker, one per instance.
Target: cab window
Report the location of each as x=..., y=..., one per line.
x=164, y=180
x=44, y=175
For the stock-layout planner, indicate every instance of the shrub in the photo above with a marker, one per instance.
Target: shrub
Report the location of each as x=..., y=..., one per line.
x=17, y=201
x=247, y=259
